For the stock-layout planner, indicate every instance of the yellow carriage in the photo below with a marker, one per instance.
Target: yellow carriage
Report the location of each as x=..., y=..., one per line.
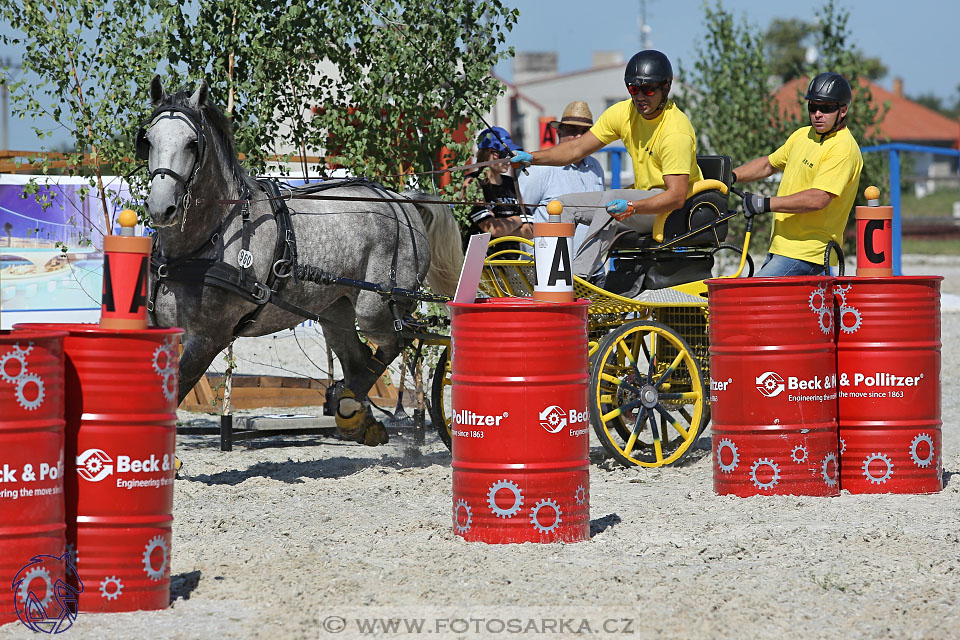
x=649, y=387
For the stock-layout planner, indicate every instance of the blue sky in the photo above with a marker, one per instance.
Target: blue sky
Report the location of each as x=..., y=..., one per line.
x=914, y=38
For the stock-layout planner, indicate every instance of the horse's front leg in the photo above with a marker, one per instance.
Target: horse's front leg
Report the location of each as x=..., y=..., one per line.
x=197, y=355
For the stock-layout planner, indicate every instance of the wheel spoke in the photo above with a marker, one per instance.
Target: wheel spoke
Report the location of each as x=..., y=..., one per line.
x=619, y=411
x=673, y=366
x=635, y=432
x=657, y=444
x=665, y=415
x=686, y=395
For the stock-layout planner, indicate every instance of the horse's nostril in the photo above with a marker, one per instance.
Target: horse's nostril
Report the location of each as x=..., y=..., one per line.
x=168, y=213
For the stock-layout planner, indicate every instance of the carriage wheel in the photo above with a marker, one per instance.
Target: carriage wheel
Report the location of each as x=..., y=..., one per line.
x=440, y=399
x=731, y=252
x=647, y=395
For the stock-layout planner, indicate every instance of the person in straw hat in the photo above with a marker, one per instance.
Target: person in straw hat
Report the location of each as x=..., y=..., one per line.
x=542, y=184
x=660, y=140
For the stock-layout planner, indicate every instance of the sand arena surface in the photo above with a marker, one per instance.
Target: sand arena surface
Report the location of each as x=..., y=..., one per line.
x=281, y=534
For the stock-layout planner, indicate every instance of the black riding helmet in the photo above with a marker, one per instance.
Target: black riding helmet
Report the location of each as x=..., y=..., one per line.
x=648, y=67
x=829, y=87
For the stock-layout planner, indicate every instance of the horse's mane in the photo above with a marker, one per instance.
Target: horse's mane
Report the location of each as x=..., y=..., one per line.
x=224, y=130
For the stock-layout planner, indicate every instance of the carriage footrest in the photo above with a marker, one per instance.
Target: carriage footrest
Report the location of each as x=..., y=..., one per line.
x=635, y=275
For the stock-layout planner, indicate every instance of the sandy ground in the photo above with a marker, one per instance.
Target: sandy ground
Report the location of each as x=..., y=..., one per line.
x=283, y=537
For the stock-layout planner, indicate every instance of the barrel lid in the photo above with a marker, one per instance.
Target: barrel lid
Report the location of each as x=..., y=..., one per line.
x=516, y=303
x=89, y=328
x=814, y=281
x=888, y=279
x=29, y=333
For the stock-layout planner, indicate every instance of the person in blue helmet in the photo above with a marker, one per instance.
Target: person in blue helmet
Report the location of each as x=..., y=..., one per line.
x=502, y=216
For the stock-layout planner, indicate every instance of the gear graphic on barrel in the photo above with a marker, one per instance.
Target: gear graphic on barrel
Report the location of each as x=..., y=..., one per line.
x=924, y=462
x=170, y=386
x=111, y=588
x=535, y=515
x=581, y=495
x=156, y=543
x=734, y=456
x=22, y=383
x=818, y=299
x=799, y=454
x=874, y=457
x=843, y=446
x=71, y=550
x=842, y=292
x=517, y=498
x=462, y=528
x=774, y=479
x=37, y=573
x=830, y=461
x=5, y=359
x=846, y=325
x=826, y=321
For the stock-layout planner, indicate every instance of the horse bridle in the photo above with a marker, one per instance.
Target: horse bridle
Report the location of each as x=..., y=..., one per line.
x=195, y=119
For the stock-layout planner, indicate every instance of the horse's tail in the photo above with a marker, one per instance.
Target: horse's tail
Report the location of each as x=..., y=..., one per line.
x=446, y=249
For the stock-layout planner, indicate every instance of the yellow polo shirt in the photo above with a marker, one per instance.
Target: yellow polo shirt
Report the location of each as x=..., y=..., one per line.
x=666, y=145
x=834, y=166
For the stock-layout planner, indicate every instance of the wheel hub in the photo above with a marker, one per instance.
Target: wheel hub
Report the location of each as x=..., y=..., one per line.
x=649, y=396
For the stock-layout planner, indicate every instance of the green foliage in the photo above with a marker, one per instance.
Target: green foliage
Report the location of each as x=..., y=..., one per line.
x=787, y=40
x=377, y=86
x=87, y=61
x=785, y=48
x=732, y=112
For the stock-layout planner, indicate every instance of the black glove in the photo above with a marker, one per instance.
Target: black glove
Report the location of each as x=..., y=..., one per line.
x=754, y=205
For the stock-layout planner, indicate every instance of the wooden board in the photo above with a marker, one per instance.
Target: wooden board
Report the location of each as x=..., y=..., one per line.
x=253, y=392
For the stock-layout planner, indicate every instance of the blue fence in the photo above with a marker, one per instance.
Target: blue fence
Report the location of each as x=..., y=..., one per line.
x=616, y=164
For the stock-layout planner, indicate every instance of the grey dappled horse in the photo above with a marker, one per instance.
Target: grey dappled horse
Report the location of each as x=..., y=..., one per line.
x=212, y=271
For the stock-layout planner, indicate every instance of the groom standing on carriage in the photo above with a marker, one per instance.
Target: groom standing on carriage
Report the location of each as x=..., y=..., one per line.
x=660, y=140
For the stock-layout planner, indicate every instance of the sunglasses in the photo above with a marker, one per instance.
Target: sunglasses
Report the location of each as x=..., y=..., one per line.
x=646, y=89
x=570, y=130
x=822, y=108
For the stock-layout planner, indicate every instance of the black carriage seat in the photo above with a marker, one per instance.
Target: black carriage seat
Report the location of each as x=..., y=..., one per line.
x=709, y=200
x=642, y=263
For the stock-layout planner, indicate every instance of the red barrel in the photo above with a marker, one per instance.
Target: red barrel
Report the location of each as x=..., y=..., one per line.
x=520, y=425
x=888, y=363
x=31, y=469
x=121, y=427
x=773, y=392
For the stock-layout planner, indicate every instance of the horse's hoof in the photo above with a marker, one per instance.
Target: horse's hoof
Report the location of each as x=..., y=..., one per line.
x=354, y=427
x=376, y=434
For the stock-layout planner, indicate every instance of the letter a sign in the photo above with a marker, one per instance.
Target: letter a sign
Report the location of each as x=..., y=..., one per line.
x=553, y=255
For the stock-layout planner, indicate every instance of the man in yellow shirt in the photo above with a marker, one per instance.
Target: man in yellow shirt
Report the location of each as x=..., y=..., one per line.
x=821, y=167
x=662, y=143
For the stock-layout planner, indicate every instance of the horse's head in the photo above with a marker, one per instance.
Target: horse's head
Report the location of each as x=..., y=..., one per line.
x=172, y=142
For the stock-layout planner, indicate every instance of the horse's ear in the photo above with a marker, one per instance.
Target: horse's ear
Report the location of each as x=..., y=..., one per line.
x=199, y=98
x=157, y=95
